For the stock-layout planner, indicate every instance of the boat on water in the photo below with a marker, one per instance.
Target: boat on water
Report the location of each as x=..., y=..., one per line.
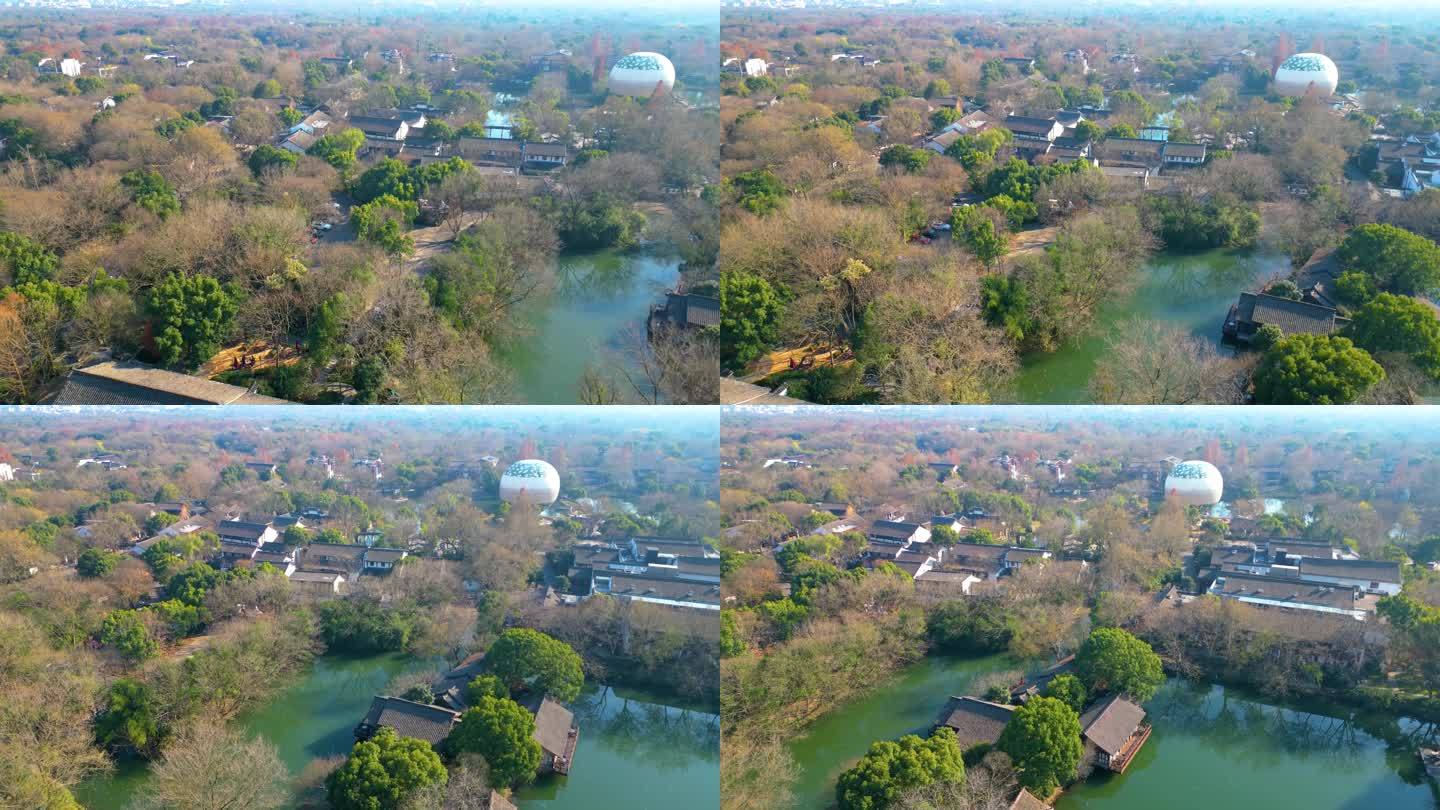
x=1430, y=758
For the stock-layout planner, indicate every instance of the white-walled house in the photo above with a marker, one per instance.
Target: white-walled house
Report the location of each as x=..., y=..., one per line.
x=1371, y=576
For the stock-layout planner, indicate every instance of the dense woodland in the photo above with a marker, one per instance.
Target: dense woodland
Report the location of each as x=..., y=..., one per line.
x=113, y=656
x=830, y=203
x=809, y=629
x=147, y=211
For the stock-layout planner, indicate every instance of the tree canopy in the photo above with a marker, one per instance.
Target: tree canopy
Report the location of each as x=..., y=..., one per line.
x=503, y=732
x=890, y=768
x=1113, y=660
x=1309, y=369
x=383, y=771
x=1397, y=323
x=1399, y=261
x=525, y=658
x=1043, y=740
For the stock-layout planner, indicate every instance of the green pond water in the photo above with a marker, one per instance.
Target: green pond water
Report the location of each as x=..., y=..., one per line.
x=627, y=738
x=1212, y=747
x=599, y=298
x=907, y=703
x=1190, y=291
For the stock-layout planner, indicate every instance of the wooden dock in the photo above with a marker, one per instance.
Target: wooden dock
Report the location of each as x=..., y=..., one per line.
x=1118, y=764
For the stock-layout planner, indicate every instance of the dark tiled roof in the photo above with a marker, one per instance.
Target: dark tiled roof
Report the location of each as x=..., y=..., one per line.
x=975, y=552
x=893, y=529
x=548, y=149
x=1027, y=801
x=1023, y=125
x=1109, y=724
x=1376, y=570
x=244, y=530
x=1236, y=585
x=1293, y=317
x=410, y=719
x=384, y=555
x=131, y=383
x=1184, y=149
x=375, y=126
x=552, y=724
x=974, y=720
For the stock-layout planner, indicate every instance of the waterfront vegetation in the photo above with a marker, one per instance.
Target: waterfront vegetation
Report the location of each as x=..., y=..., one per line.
x=846, y=634
x=906, y=269
x=174, y=215
x=164, y=667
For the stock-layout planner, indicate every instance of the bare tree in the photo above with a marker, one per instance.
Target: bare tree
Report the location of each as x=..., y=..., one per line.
x=213, y=767
x=1150, y=363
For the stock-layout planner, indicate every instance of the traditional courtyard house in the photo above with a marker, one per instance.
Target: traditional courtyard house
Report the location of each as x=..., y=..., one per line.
x=491, y=151
x=1371, y=576
x=556, y=732
x=1132, y=152
x=337, y=558
x=756, y=67
x=1292, y=594
x=1182, y=154
x=318, y=583
x=132, y=383
x=839, y=510
x=974, y=721
x=1025, y=127
x=1114, y=730
x=694, y=592
x=986, y=561
x=246, y=532
x=545, y=156
x=946, y=584
x=383, y=559
x=408, y=719
x=897, y=533
x=1255, y=310
x=685, y=311
x=948, y=102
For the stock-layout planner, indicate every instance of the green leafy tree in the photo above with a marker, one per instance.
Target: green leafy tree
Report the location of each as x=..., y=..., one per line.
x=1394, y=323
x=758, y=191
x=1067, y=689
x=290, y=116
x=25, y=261
x=158, y=521
x=267, y=157
x=503, y=732
x=731, y=641
x=383, y=772
x=1043, y=740
x=522, y=657
x=384, y=221
x=125, y=631
x=193, y=314
x=150, y=191
x=1315, y=370
x=750, y=312
x=339, y=149
x=483, y=685
x=890, y=768
x=96, y=562
x=269, y=88
x=1121, y=131
x=1113, y=660
x=910, y=159
x=1005, y=304
x=388, y=177
x=1399, y=261
x=128, y=721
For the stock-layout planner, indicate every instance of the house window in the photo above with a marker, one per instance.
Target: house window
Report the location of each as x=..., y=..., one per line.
x=1374, y=586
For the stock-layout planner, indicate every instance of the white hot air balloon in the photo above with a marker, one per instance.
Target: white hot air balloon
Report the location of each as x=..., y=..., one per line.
x=1305, y=73
x=531, y=480
x=640, y=73
x=1195, y=483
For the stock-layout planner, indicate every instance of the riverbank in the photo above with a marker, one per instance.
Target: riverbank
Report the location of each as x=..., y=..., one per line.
x=1188, y=291
x=597, y=309
x=1211, y=745
x=627, y=737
